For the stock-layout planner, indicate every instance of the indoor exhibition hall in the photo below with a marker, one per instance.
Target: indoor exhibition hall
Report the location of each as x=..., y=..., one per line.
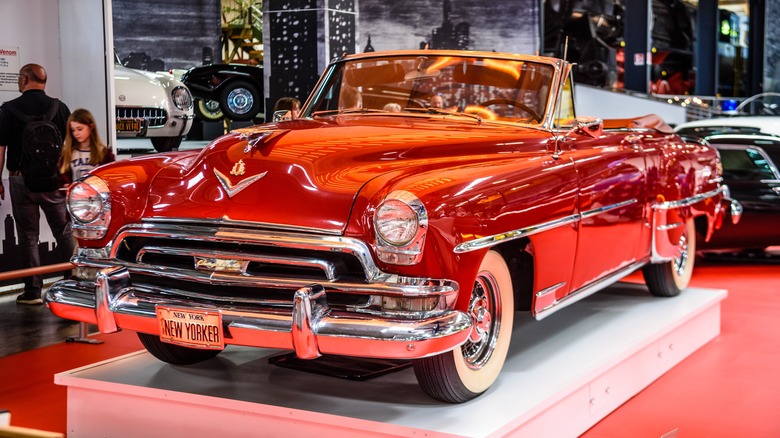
x=389, y=218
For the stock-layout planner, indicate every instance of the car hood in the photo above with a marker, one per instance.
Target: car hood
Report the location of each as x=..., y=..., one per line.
x=140, y=88
x=306, y=174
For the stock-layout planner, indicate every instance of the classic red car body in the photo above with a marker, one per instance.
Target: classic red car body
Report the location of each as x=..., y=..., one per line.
x=275, y=227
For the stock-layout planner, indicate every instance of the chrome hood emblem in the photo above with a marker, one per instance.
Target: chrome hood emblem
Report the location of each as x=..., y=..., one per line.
x=234, y=189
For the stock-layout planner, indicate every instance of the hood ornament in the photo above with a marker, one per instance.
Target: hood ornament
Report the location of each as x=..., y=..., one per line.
x=234, y=189
x=256, y=138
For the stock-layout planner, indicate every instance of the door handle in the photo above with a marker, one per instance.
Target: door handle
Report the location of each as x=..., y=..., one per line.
x=632, y=138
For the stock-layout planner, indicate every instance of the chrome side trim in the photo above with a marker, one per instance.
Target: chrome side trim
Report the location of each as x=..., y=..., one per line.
x=485, y=242
x=588, y=290
x=552, y=288
x=690, y=200
x=598, y=211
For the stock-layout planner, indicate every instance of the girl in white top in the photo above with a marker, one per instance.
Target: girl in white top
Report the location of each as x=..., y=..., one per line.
x=83, y=149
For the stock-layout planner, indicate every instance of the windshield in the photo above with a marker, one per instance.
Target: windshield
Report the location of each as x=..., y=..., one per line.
x=492, y=89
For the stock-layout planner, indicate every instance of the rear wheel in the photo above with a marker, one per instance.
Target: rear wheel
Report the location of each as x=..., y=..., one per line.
x=240, y=101
x=208, y=110
x=670, y=278
x=166, y=144
x=469, y=370
x=174, y=354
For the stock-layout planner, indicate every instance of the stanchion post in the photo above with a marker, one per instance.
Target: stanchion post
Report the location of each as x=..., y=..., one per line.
x=83, y=336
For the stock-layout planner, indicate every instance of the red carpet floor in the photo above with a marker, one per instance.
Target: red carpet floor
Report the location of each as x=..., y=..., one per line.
x=729, y=388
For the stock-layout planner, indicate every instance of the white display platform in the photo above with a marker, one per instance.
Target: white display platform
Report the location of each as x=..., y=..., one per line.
x=563, y=375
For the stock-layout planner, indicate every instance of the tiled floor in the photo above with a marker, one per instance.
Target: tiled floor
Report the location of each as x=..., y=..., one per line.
x=27, y=327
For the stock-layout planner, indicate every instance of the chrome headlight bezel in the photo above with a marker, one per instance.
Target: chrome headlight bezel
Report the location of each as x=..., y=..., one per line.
x=89, y=204
x=181, y=97
x=400, y=225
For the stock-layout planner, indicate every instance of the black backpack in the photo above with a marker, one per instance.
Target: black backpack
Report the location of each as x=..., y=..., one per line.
x=41, y=148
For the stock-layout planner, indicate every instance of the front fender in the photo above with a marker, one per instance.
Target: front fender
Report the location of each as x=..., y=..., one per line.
x=129, y=185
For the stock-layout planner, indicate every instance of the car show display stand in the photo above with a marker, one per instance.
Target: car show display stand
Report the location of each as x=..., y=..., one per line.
x=563, y=374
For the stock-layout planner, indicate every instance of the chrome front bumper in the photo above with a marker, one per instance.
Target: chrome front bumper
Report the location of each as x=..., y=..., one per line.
x=309, y=327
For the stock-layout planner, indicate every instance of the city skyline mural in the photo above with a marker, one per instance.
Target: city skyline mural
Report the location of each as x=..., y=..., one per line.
x=9, y=259
x=501, y=25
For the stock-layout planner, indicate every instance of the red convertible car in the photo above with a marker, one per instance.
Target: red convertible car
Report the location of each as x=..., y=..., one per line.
x=380, y=225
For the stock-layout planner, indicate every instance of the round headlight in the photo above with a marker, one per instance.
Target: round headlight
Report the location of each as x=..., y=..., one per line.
x=182, y=98
x=396, y=222
x=84, y=202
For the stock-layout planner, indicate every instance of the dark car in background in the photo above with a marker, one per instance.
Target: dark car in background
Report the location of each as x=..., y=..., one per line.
x=748, y=140
x=750, y=170
x=233, y=91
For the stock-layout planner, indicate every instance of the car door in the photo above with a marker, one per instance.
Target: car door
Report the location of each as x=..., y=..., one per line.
x=611, y=172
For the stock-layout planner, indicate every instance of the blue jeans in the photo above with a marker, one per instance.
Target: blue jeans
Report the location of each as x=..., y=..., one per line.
x=26, y=207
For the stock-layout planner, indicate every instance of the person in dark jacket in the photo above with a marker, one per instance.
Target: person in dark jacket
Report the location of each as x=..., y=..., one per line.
x=26, y=205
x=83, y=150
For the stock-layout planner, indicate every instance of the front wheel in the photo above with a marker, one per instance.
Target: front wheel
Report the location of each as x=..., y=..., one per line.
x=166, y=144
x=469, y=370
x=670, y=278
x=174, y=354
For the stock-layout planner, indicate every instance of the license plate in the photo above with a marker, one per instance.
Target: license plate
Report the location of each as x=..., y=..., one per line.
x=191, y=328
x=128, y=125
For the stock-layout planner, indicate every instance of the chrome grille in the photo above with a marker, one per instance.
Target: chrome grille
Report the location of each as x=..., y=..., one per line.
x=239, y=265
x=155, y=117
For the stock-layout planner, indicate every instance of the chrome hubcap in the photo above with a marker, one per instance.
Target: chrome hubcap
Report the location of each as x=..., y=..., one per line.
x=485, y=312
x=240, y=101
x=681, y=261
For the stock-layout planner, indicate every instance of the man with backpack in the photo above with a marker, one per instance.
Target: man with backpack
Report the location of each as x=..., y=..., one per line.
x=32, y=127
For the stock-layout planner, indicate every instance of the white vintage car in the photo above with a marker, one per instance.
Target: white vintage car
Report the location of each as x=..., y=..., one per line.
x=153, y=105
x=759, y=114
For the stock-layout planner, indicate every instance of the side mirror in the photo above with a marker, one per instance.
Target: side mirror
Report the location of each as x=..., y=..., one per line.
x=590, y=126
x=282, y=115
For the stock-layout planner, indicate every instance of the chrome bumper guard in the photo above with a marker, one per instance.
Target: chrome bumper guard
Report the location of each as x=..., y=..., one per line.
x=311, y=329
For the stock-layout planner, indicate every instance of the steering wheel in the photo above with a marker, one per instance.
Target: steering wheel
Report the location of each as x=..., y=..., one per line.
x=535, y=116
